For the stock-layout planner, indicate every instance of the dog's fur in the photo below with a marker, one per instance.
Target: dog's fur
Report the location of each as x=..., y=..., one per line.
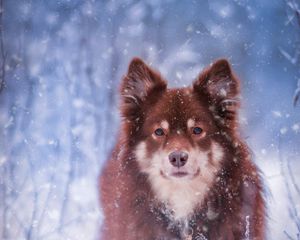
x=217, y=194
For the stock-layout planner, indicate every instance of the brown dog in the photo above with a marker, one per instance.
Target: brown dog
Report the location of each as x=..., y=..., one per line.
x=179, y=169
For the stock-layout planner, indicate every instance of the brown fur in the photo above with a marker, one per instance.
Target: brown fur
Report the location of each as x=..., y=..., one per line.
x=234, y=206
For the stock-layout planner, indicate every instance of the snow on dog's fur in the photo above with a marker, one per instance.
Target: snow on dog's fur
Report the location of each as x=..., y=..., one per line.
x=179, y=169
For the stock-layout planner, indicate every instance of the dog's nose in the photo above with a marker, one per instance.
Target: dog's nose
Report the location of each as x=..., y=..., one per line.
x=178, y=158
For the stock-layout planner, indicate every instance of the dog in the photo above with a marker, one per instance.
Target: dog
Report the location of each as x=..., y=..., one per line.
x=179, y=169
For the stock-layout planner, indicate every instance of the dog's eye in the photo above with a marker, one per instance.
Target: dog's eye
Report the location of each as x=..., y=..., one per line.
x=197, y=130
x=159, y=132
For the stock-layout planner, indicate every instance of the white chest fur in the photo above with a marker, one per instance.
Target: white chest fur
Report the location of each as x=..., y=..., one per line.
x=182, y=195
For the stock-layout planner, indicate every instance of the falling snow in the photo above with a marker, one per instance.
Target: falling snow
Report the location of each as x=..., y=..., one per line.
x=59, y=104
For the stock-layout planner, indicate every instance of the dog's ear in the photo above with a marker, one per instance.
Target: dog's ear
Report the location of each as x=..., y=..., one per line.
x=221, y=87
x=139, y=85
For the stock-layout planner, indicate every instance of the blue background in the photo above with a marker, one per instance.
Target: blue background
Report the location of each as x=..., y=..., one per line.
x=59, y=107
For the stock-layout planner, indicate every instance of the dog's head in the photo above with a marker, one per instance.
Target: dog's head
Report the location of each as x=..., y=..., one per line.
x=179, y=135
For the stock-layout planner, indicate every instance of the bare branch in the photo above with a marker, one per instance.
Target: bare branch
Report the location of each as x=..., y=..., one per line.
x=297, y=93
x=59, y=228
x=30, y=233
x=292, y=59
x=293, y=180
x=292, y=206
x=293, y=17
x=288, y=236
x=46, y=205
x=2, y=52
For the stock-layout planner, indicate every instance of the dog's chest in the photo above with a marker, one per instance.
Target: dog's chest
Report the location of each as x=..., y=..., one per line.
x=180, y=198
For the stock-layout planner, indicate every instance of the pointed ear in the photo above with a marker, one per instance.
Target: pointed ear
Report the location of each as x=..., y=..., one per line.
x=140, y=83
x=219, y=84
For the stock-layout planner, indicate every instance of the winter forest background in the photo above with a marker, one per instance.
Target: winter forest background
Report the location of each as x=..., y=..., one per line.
x=60, y=65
